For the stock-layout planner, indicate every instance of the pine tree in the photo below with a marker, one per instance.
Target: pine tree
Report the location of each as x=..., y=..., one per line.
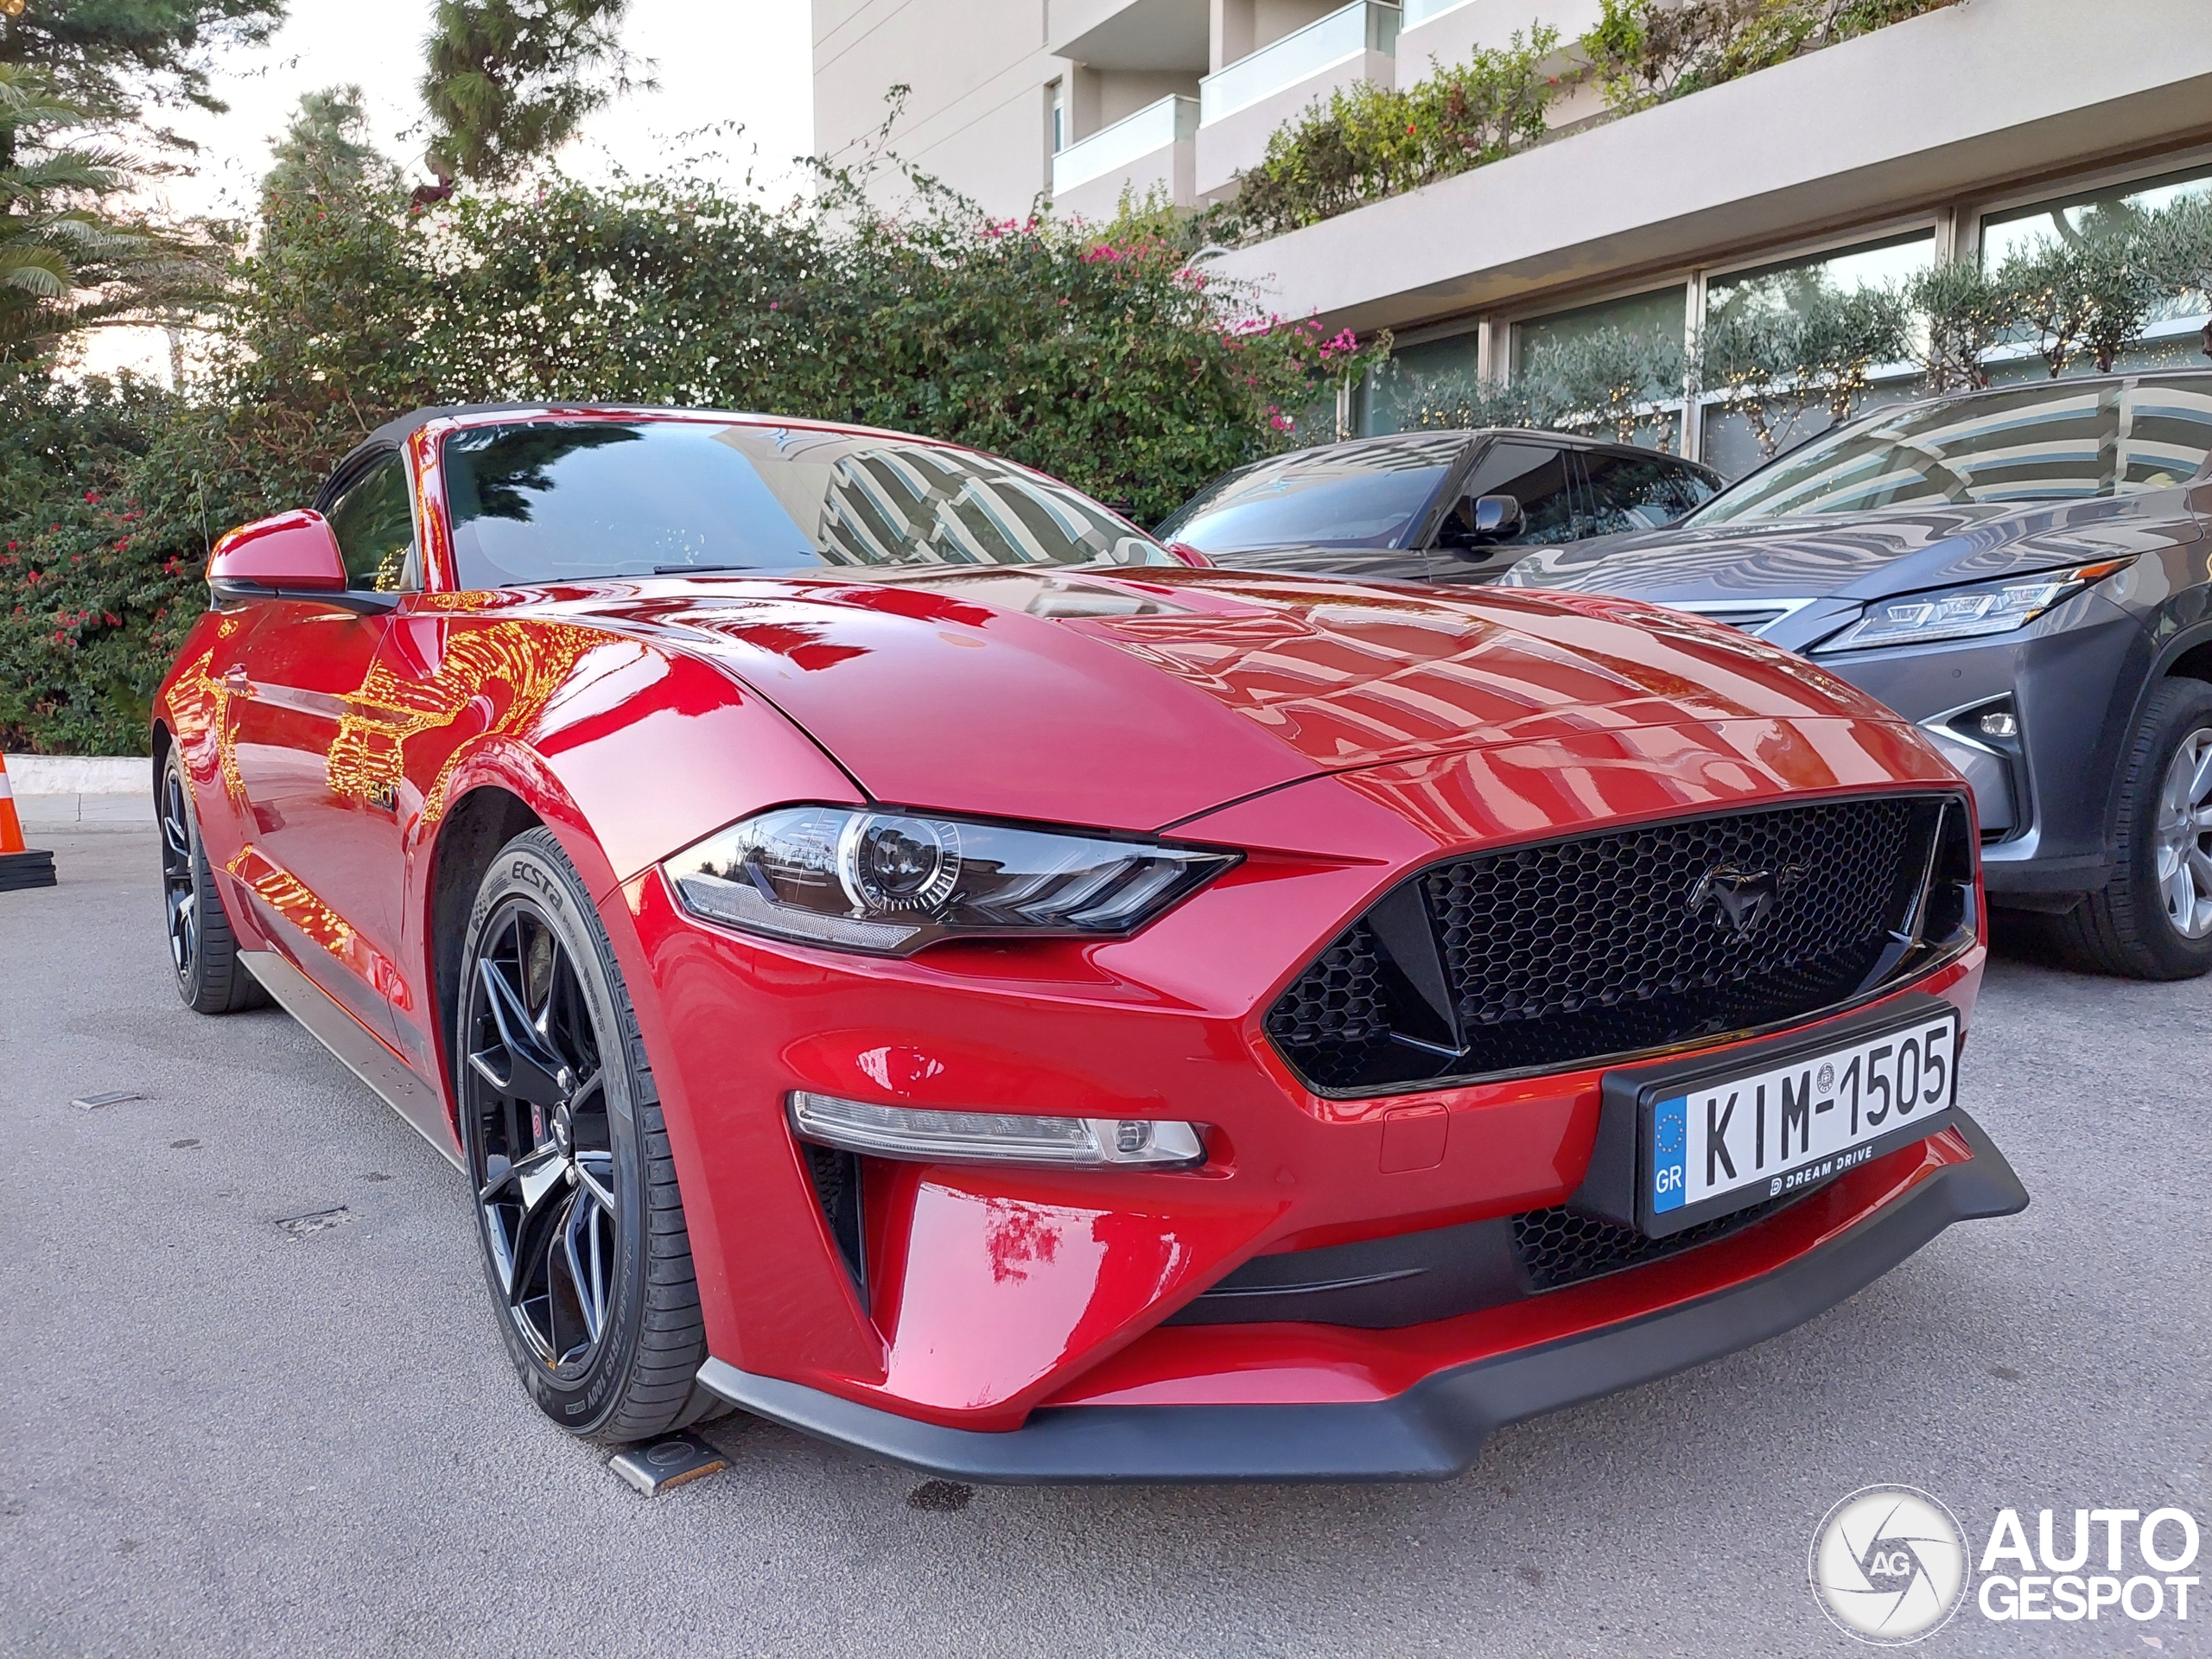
x=512, y=80
x=113, y=59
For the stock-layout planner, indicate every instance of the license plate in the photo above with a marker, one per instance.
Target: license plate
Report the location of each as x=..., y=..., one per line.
x=1731, y=1139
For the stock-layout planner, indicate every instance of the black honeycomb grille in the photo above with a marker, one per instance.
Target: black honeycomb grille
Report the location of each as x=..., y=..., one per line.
x=1557, y=1248
x=1572, y=951
x=1339, y=1001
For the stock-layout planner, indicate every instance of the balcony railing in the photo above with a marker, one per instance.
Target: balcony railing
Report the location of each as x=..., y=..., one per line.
x=1152, y=129
x=1420, y=11
x=1343, y=35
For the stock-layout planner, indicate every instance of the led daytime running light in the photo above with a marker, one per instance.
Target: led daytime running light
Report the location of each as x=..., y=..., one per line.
x=938, y=1136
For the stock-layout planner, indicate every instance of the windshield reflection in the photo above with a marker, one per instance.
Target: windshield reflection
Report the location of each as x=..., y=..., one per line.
x=2050, y=441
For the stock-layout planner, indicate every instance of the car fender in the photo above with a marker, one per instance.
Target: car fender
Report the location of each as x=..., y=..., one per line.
x=638, y=752
x=626, y=751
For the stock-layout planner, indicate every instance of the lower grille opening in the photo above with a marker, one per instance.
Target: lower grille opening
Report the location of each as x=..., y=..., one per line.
x=836, y=1176
x=1557, y=1248
x=1383, y=1284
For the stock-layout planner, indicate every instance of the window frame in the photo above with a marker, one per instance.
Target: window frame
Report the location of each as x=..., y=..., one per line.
x=349, y=475
x=1455, y=487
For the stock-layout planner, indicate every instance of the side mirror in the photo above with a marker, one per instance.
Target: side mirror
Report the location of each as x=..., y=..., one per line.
x=291, y=556
x=1497, y=517
x=1475, y=525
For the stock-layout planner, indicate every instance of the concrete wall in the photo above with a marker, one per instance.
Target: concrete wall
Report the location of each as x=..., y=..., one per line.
x=1131, y=33
x=54, y=790
x=977, y=115
x=1117, y=93
x=1978, y=98
x=1240, y=28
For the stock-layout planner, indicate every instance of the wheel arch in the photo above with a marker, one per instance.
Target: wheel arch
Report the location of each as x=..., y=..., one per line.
x=2190, y=658
x=2184, y=654
x=468, y=838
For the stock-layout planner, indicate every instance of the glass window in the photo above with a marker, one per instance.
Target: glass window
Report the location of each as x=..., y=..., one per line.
x=1539, y=477
x=2050, y=441
x=1614, y=369
x=1655, y=316
x=1639, y=492
x=1360, y=495
x=2170, y=335
x=1737, y=441
x=567, y=500
x=1431, y=385
x=374, y=522
x=2100, y=212
x=1798, y=285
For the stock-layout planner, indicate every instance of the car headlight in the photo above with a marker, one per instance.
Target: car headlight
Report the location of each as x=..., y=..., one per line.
x=1966, y=612
x=890, y=883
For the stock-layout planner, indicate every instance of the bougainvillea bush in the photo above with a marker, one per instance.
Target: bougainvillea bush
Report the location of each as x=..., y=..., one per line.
x=1095, y=354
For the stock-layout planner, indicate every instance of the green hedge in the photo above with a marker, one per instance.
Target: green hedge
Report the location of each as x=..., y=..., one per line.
x=1371, y=142
x=1095, y=355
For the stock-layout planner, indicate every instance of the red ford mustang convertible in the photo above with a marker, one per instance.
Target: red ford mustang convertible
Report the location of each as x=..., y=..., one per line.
x=893, y=949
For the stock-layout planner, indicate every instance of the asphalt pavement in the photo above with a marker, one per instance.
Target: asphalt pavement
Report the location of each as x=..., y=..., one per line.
x=222, y=1435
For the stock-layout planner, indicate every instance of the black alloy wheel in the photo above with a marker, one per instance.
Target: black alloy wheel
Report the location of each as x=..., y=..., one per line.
x=567, y=1154
x=202, y=950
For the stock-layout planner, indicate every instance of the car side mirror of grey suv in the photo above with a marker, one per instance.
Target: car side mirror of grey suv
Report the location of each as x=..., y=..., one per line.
x=1477, y=523
x=1497, y=517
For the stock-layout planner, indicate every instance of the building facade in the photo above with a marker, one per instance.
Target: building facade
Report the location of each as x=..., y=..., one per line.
x=1958, y=135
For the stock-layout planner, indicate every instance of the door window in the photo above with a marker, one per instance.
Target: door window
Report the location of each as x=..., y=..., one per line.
x=1639, y=492
x=374, y=522
x=1534, y=474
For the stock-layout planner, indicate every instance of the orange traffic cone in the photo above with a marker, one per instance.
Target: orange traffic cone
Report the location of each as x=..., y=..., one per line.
x=18, y=867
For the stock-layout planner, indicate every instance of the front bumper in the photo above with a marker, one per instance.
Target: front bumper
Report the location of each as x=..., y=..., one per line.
x=1434, y=1429
x=976, y=1298
x=2074, y=676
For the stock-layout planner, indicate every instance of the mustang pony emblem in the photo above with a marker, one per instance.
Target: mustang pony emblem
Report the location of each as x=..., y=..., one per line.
x=1740, y=899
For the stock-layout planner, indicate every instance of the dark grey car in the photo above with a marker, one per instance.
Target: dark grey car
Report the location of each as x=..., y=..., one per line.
x=2024, y=573
x=1431, y=506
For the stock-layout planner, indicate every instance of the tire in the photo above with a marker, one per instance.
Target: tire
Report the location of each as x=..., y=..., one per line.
x=578, y=1215
x=203, y=951
x=2130, y=927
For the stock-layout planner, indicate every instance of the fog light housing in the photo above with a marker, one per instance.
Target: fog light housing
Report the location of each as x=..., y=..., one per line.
x=965, y=1137
x=1983, y=741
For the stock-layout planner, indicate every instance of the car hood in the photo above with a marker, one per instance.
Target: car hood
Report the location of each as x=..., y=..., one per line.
x=1132, y=703
x=1860, y=555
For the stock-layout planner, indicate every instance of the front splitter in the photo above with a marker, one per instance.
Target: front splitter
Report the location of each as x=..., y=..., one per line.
x=1434, y=1430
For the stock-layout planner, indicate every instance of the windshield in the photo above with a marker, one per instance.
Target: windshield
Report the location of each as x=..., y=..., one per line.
x=566, y=500
x=1367, y=495
x=2053, y=440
